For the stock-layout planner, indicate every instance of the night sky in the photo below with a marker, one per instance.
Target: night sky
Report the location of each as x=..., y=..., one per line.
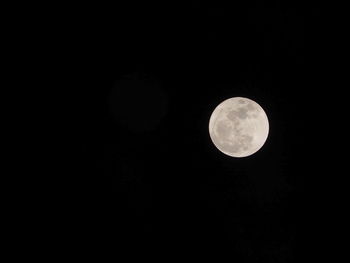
x=152, y=75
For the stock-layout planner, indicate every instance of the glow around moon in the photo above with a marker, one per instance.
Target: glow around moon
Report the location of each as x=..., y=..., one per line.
x=238, y=127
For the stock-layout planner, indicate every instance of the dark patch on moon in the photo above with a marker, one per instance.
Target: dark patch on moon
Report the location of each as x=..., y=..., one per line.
x=223, y=130
x=235, y=148
x=251, y=107
x=242, y=113
x=231, y=115
x=246, y=139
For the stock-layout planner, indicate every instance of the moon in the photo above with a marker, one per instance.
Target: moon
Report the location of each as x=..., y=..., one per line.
x=238, y=127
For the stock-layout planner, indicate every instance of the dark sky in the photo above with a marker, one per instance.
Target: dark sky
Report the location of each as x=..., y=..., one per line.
x=152, y=75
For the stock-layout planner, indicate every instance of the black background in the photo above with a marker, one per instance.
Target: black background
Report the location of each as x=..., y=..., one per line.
x=158, y=185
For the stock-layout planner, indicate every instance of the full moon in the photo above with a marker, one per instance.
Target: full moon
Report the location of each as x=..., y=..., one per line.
x=238, y=127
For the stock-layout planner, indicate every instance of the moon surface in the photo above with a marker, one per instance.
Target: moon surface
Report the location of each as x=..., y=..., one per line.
x=238, y=127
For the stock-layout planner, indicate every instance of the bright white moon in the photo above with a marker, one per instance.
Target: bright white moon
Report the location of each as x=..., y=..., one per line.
x=238, y=127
